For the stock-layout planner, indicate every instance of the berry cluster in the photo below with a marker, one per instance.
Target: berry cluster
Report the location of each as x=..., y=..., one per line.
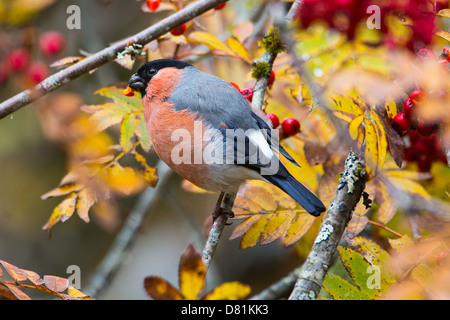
x=422, y=143
x=19, y=61
x=289, y=126
x=344, y=15
x=423, y=150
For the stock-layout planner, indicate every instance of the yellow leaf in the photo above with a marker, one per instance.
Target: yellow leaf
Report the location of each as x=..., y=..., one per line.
x=63, y=211
x=86, y=199
x=299, y=226
x=371, y=150
x=191, y=274
x=346, y=108
x=401, y=243
x=209, y=40
x=353, y=127
x=123, y=180
x=276, y=226
x=239, y=49
x=62, y=190
x=444, y=35
x=251, y=237
x=229, y=291
x=262, y=197
x=150, y=174
x=247, y=204
x=391, y=108
x=381, y=137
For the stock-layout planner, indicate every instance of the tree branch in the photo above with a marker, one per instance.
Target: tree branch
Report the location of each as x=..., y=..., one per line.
x=350, y=189
x=124, y=239
x=108, y=54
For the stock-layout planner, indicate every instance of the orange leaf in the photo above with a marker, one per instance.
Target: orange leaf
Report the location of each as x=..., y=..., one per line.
x=191, y=273
x=160, y=289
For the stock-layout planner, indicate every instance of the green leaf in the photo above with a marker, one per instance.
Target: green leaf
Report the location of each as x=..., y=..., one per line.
x=127, y=133
x=142, y=133
x=357, y=267
x=341, y=289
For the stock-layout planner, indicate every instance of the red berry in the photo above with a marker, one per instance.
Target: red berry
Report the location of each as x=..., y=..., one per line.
x=401, y=122
x=290, y=126
x=271, y=79
x=220, y=6
x=443, y=159
x=18, y=59
x=418, y=96
x=408, y=107
x=153, y=5
x=247, y=93
x=128, y=92
x=274, y=119
x=178, y=31
x=52, y=43
x=426, y=129
x=424, y=163
x=425, y=54
x=38, y=71
x=445, y=54
x=235, y=85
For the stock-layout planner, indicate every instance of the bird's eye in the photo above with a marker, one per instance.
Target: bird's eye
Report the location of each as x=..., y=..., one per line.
x=152, y=72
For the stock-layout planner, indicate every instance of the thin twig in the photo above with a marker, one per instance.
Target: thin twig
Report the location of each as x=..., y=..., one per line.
x=279, y=289
x=108, y=54
x=216, y=230
x=385, y=228
x=117, y=253
x=350, y=189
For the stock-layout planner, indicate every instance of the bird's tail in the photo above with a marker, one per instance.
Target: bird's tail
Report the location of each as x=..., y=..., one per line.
x=298, y=192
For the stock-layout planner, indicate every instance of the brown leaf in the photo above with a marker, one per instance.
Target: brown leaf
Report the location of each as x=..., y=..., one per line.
x=356, y=225
x=315, y=154
x=19, y=294
x=159, y=289
x=56, y=284
x=16, y=273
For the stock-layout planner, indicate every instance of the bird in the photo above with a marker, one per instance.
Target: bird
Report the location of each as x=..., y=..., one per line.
x=207, y=132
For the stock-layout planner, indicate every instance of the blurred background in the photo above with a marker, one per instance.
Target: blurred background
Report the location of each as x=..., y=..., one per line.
x=33, y=158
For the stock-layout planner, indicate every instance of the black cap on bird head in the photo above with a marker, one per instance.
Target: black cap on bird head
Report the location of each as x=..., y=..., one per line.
x=139, y=81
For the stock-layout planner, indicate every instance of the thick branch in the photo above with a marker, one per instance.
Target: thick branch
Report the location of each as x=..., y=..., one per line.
x=98, y=59
x=350, y=189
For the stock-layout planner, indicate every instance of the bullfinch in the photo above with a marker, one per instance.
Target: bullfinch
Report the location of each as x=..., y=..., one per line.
x=206, y=131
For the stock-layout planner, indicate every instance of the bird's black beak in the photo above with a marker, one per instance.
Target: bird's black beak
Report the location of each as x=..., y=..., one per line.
x=136, y=83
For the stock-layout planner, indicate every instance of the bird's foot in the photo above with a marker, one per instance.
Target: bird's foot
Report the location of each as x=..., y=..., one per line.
x=222, y=211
